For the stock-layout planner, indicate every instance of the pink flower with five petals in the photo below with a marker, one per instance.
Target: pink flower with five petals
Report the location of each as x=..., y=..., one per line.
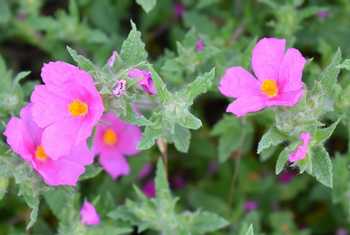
x=278, y=83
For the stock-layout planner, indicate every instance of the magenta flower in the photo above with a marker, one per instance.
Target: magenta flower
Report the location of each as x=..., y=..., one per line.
x=68, y=106
x=114, y=140
x=178, y=182
x=200, y=45
x=278, y=80
x=25, y=139
x=342, y=231
x=302, y=149
x=145, y=80
x=179, y=10
x=286, y=177
x=250, y=206
x=323, y=14
x=149, y=189
x=111, y=60
x=88, y=214
x=145, y=171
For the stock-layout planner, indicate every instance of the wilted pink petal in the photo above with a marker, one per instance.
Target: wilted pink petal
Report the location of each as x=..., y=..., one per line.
x=111, y=60
x=119, y=88
x=301, y=151
x=145, y=80
x=278, y=79
x=88, y=214
x=200, y=45
x=149, y=189
x=113, y=141
x=25, y=139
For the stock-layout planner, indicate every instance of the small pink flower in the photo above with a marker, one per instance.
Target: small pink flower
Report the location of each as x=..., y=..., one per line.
x=68, y=106
x=111, y=60
x=145, y=171
x=322, y=15
x=145, y=80
x=179, y=10
x=149, y=189
x=250, y=206
x=178, y=182
x=302, y=149
x=88, y=214
x=286, y=177
x=25, y=139
x=278, y=83
x=342, y=231
x=200, y=45
x=114, y=140
x=119, y=88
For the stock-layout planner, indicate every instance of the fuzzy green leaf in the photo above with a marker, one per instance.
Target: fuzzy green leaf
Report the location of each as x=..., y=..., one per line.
x=322, y=134
x=271, y=138
x=147, y=5
x=322, y=167
x=82, y=61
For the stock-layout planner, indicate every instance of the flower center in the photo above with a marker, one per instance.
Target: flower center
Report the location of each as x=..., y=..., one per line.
x=110, y=137
x=40, y=153
x=78, y=108
x=269, y=88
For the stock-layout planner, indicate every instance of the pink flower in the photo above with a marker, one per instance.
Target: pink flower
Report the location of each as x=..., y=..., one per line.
x=323, y=14
x=179, y=10
x=250, y=206
x=302, y=149
x=114, y=140
x=342, y=231
x=178, y=182
x=25, y=139
x=149, y=189
x=111, y=60
x=278, y=82
x=200, y=45
x=68, y=106
x=88, y=214
x=145, y=80
x=145, y=171
x=286, y=177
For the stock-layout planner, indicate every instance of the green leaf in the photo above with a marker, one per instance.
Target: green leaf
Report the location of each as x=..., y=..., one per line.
x=20, y=76
x=181, y=138
x=322, y=168
x=4, y=182
x=344, y=65
x=330, y=74
x=161, y=182
x=204, y=222
x=271, y=138
x=283, y=157
x=91, y=172
x=228, y=143
x=5, y=13
x=82, y=61
x=149, y=136
x=250, y=230
x=133, y=50
x=188, y=120
x=322, y=134
x=147, y=5
x=341, y=179
x=199, y=86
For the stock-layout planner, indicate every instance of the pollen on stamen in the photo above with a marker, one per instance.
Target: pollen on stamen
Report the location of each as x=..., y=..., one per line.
x=40, y=153
x=110, y=137
x=269, y=88
x=78, y=108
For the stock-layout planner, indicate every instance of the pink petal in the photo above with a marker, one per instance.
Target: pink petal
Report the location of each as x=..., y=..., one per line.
x=247, y=104
x=238, y=82
x=115, y=164
x=88, y=214
x=59, y=138
x=81, y=154
x=267, y=57
x=288, y=99
x=59, y=172
x=58, y=72
x=47, y=107
x=130, y=138
x=149, y=189
x=291, y=70
x=301, y=151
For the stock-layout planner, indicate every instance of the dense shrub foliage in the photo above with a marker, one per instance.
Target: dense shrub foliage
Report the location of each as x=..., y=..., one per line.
x=174, y=117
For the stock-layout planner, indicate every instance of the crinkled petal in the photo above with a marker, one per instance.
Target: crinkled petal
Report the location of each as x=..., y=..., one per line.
x=288, y=99
x=47, y=106
x=59, y=138
x=81, y=154
x=267, y=57
x=60, y=172
x=243, y=105
x=114, y=163
x=238, y=82
x=291, y=70
x=58, y=72
x=129, y=139
x=88, y=214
